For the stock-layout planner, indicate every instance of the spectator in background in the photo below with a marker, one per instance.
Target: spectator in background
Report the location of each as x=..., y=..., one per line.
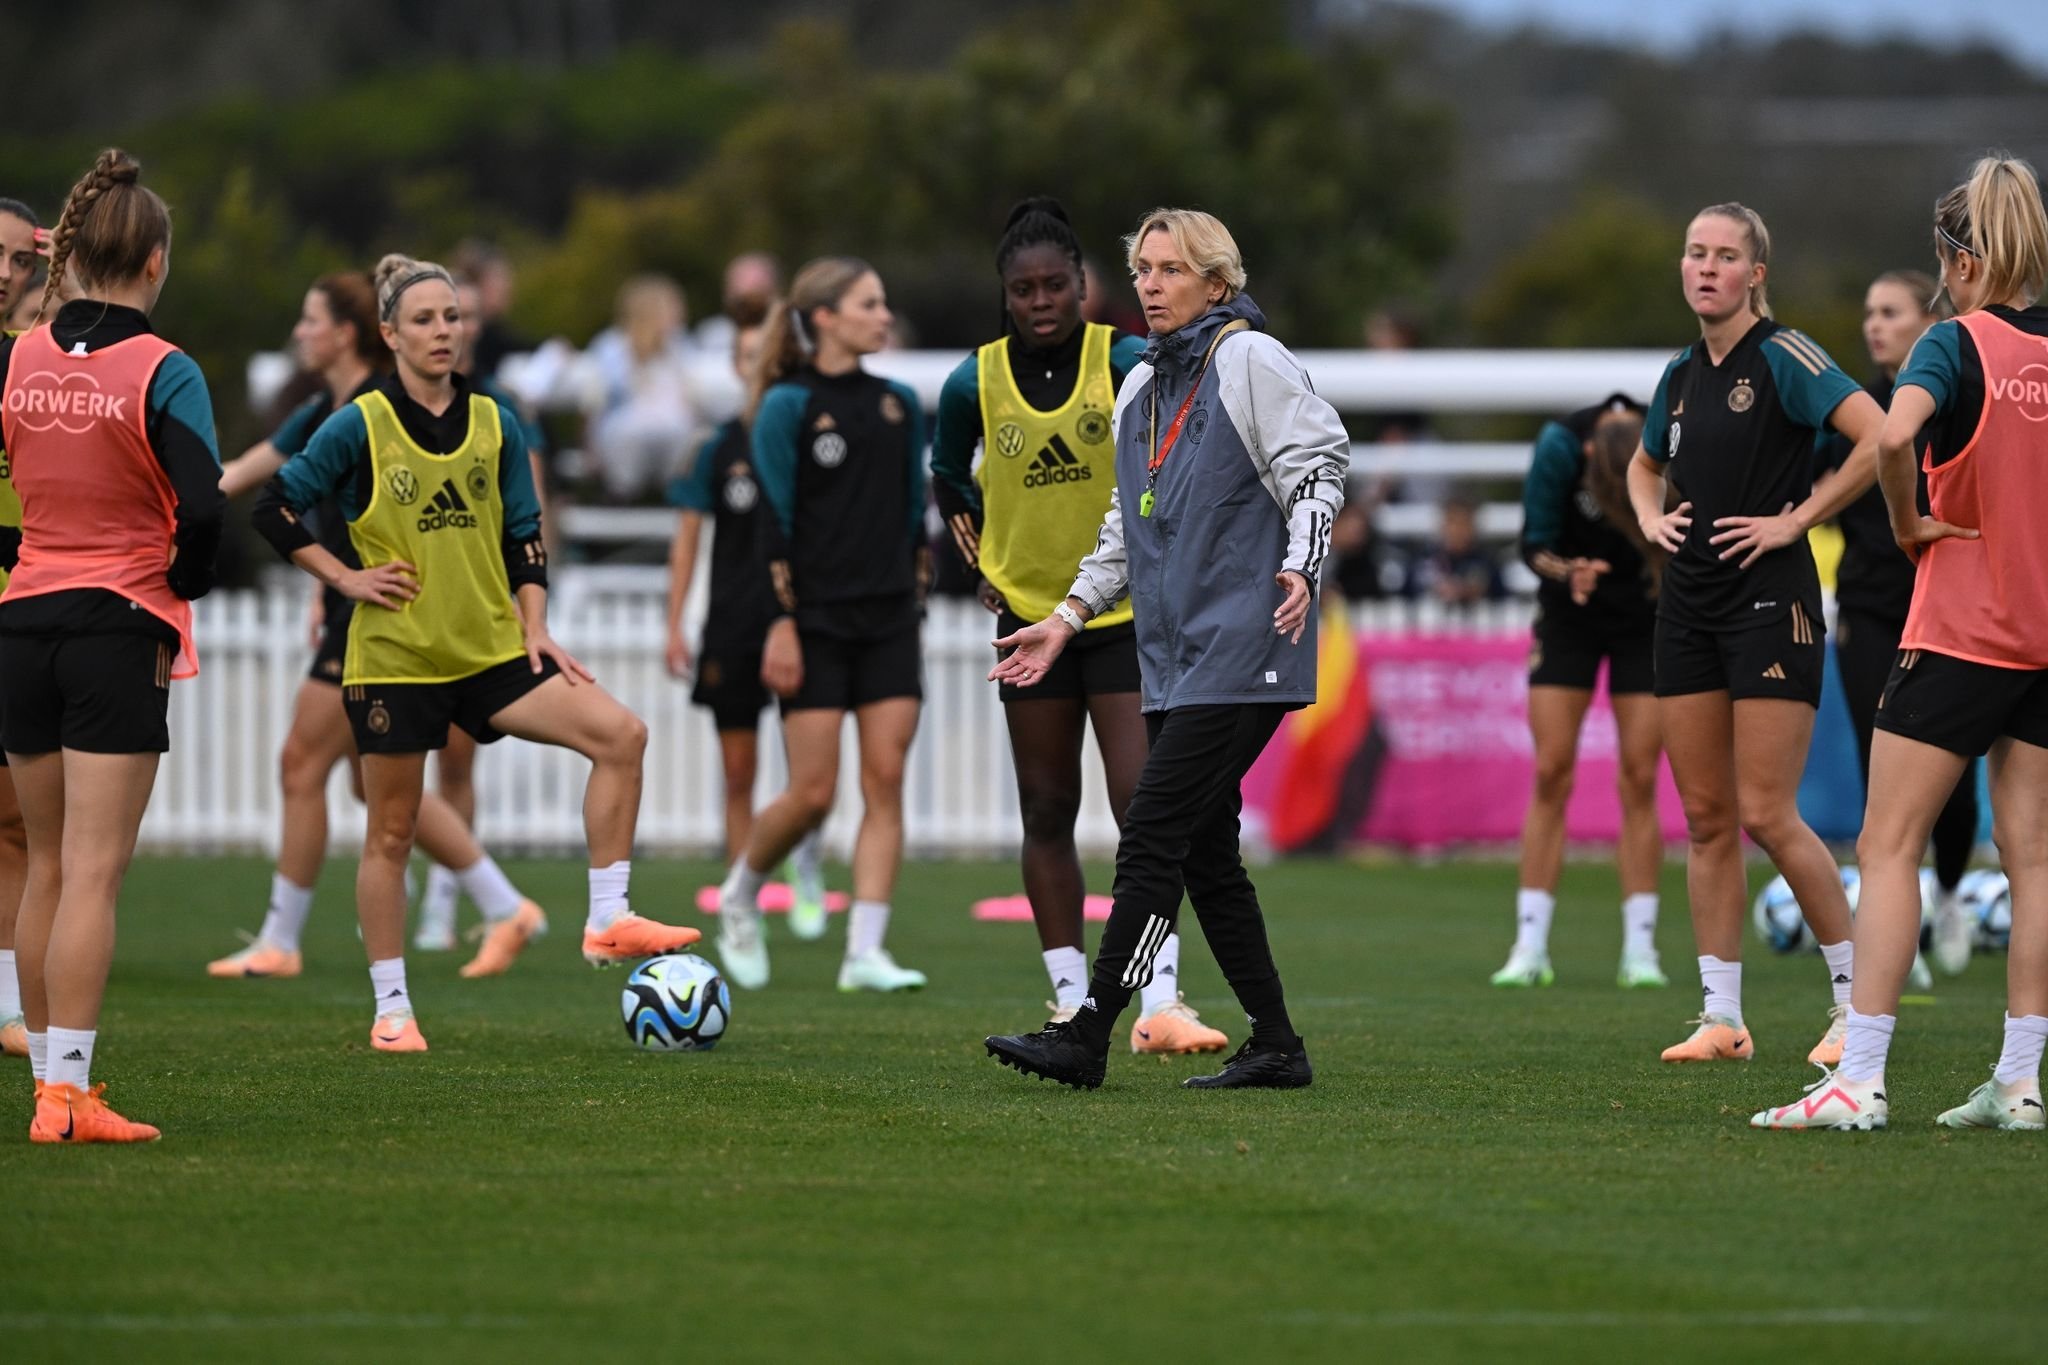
x=753, y=282
x=486, y=266
x=1458, y=571
x=1362, y=573
x=642, y=391
x=1109, y=301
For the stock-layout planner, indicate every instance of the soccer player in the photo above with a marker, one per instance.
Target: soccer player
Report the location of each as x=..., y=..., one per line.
x=1597, y=600
x=1038, y=402
x=1230, y=471
x=840, y=458
x=338, y=338
x=1874, y=590
x=1972, y=672
x=110, y=434
x=434, y=482
x=20, y=260
x=721, y=486
x=1738, y=637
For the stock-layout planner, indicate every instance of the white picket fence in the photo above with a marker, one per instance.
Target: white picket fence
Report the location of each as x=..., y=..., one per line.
x=218, y=791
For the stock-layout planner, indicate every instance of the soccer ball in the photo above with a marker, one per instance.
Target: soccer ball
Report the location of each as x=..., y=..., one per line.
x=677, y=1003
x=1778, y=920
x=1987, y=894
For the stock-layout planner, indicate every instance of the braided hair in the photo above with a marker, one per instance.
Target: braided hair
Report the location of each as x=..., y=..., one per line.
x=110, y=225
x=1038, y=221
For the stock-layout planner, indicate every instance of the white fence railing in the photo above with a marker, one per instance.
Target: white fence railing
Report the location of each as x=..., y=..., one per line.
x=218, y=786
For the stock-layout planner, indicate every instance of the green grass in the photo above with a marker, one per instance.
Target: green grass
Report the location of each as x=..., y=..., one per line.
x=1474, y=1175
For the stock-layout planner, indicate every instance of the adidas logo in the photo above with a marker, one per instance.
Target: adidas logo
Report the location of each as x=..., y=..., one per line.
x=1089, y=1003
x=72, y=1056
x=1841, y=979
x=1056, y=463
x=1061, y=984
x=394, y=994
x=1775, y=671
x=448, y=509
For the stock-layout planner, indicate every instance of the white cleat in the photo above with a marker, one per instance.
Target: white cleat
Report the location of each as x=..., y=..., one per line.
x=1832, y=1102
x=1525, y=967
x=875, y=970
x=1953, y=934
x=1640, y=969
x=742, y=944
x=1917, y=976
x=1991, y=1105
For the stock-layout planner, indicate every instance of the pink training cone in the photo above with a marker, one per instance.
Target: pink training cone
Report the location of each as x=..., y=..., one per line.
x=1017, y=909
x=776, y=898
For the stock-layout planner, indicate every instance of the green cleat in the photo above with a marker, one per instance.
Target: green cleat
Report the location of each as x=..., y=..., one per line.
x=1639, y=970
x=1526, y=967
x=807, y=903
x=1991, y=1105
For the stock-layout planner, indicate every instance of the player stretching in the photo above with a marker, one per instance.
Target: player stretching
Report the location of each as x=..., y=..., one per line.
x=1972, y=670
x=1738, y=643
x=436, y=487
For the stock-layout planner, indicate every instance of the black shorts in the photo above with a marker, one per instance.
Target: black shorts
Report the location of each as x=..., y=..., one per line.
x=411, y=718
x=1781, y=659
x=1566, y=647
x=729, y=686
x=1095, y=663
x=99, y=694
x=843, y=674
x=332, y=655
x=1961, y=706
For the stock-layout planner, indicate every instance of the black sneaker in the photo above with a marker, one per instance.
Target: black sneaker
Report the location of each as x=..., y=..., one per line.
x=1259, y=1065
x=1057, y=1052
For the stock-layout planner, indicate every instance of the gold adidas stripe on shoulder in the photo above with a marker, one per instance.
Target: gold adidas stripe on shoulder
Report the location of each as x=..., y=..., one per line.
x=1791, y=349
x=1808, y=345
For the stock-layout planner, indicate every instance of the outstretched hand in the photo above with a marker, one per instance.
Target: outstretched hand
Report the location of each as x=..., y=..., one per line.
x=1032, y=652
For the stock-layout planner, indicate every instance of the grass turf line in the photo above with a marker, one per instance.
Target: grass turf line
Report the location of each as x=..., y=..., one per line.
x=1475, y=1173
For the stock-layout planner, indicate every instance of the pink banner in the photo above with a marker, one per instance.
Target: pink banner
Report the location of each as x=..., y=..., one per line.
x=1452, y=713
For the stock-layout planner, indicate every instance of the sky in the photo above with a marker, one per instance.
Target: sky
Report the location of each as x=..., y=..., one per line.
x=2019, y=26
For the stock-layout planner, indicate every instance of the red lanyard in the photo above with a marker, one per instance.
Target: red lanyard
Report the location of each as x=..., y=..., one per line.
x=1161, y=449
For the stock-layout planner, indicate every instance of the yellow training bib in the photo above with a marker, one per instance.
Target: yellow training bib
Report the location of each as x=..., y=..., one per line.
x=1045, y=479
x=442, y=514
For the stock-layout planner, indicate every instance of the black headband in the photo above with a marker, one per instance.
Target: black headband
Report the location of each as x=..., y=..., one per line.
x=425, y=272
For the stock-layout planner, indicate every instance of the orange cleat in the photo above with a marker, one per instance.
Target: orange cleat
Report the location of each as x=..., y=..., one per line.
x=260, y=958
x=1828, y=1051
x=1715, y=1039
x=1176, y=1029
x=505, y=940
x=14, y=1036
x=64, y=1113
x=630, y=938
x=397, y=1033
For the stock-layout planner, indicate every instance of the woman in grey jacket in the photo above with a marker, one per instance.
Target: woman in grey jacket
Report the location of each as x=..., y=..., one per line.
x=1230, y=471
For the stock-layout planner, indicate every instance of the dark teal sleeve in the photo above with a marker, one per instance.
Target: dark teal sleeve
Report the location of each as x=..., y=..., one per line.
x=1806, y=393
x=957, y=430
x=1936, y=365
x=327, y=466
x=1553, y=478
x=291, y=436
x=693, y=491
x=915, y=484
x=515, y=477
x=178, y=394
x=1657, y=422
x=775, y=432
x=1125, y=353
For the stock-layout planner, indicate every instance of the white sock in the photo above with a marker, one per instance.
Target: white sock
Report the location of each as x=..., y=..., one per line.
x=742, y=883
x=69, y=1060
x=1068, y=969
x=39, y=1056
x=1864, y=1047
x=387, y=986
x=10, y=985
x=1841, y=960
x=1722, y=984
x=437, y=906
x=1639, y=922
x=808, y=861
x=1532, y=919
x=290, y=903
x=1164, y=987
x=2021, y=1060
x=866, y=926
x=608, y=893
x=484, y=882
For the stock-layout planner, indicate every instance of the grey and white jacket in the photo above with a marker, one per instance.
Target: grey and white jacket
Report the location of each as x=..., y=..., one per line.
x=1251, y=488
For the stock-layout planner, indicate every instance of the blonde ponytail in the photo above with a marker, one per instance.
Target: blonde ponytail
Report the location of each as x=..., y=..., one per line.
x=1996, y=216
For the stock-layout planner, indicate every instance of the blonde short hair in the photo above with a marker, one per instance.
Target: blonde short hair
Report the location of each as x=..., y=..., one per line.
x=1202, y=241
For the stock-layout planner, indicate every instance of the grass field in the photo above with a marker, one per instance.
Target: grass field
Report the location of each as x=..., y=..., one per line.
x=1475, y=1175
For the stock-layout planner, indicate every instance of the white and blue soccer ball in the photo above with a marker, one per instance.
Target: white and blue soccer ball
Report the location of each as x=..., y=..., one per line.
x=1778, y=920
x=676, y=1003
x=1987, y=894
